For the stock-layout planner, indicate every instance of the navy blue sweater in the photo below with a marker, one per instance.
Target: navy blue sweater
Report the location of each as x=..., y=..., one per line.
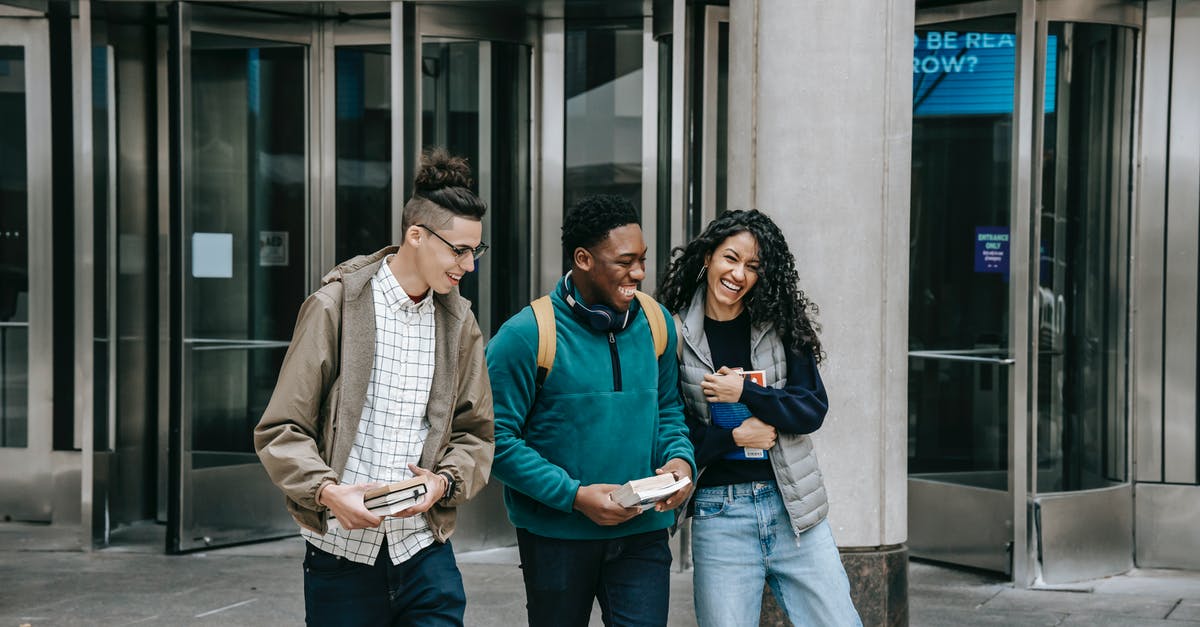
x=798, y=408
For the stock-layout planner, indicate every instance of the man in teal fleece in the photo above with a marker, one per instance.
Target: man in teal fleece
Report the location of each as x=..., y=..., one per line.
x=608, y=412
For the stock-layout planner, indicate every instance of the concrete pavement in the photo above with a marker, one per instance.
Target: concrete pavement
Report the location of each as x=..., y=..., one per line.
x=46, y=580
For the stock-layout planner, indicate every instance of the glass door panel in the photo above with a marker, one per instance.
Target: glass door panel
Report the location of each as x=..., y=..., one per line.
x=1082, y=427
x=964, y=77
x=25, y=300
x=364, y=144
x=245, y=230
x=961, y=200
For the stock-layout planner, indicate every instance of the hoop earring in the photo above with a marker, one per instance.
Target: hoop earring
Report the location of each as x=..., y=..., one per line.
x=703, y=269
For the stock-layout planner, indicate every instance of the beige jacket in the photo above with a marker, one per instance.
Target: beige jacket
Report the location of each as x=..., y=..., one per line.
x=309, y=426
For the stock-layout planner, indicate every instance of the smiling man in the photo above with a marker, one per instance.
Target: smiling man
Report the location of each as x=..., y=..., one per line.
x=358, y=405
x=608, y=411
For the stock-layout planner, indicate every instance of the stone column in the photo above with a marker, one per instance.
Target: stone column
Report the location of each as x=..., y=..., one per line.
x=821, y=118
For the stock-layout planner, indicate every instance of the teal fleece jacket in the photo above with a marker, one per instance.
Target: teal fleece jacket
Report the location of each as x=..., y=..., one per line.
x=605, y=414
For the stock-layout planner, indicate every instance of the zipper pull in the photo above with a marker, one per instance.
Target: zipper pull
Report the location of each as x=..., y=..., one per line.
x=611, y=339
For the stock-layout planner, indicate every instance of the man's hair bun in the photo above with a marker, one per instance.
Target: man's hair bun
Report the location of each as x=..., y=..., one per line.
x=442, y=190
x=439, y=170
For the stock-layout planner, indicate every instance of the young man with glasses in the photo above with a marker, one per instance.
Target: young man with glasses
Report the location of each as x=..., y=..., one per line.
x=608, y=412
x=357, y=405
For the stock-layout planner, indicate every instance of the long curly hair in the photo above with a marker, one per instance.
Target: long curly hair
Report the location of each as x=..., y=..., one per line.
x=775, y=300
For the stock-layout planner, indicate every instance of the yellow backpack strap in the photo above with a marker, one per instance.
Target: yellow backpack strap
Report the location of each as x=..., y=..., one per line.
x=543, y=312
x=658, y=322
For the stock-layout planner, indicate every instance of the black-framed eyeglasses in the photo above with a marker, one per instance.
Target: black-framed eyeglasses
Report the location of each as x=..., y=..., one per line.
x=459, y=251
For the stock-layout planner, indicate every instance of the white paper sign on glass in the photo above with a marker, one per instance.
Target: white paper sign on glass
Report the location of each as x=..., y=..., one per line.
x=212, y=255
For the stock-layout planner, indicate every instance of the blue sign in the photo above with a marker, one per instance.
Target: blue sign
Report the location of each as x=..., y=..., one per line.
x=991, y=249
x=962, y=73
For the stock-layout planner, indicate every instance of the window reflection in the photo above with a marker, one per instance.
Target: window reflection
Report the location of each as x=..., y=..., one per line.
x=603, y=112
x=1081, y=286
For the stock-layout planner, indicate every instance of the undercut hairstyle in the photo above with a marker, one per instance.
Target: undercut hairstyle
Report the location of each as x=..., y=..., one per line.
x=441, y=192
x=591, y=219
x=776, y=299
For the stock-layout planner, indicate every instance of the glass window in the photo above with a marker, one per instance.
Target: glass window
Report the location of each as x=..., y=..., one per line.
x=603, y=112
x=14, y=252
x=364, y=150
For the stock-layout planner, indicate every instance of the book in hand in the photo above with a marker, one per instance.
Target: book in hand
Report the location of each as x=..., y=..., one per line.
x=731, y=416
x=391, y=498
x=644, y=493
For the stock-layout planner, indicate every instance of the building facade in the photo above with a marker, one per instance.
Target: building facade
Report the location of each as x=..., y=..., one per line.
x=1004, y=250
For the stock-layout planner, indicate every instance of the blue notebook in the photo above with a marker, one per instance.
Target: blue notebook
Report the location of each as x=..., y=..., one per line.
x=729, y=416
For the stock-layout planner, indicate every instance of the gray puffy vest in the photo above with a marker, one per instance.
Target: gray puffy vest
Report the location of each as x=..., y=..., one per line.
x=793, y=457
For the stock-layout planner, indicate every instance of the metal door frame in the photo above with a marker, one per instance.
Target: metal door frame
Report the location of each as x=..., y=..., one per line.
x=32, y=466
x=184, y=20
x=95, y=425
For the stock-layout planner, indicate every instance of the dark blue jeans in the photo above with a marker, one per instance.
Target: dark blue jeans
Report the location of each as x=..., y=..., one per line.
x=630, y=576
x=425, y=590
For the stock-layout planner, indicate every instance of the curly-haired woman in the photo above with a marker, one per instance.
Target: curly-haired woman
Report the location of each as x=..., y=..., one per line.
x=758, y=513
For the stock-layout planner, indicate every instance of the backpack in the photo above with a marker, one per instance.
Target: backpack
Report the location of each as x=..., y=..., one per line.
x=543, y=312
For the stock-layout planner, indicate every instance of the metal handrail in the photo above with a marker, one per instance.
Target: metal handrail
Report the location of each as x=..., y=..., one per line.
x=223, y=344
x=14, y=325
x=968, y=355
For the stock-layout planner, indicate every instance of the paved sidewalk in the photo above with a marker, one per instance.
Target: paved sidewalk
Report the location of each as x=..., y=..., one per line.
x=944, y=596
x=46, y=580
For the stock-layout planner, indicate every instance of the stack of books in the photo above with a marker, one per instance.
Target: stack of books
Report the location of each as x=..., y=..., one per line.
x=731, y=415
x=644, y=493
x=391, y=498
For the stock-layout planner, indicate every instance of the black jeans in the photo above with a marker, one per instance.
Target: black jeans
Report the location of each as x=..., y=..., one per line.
x=424, y=590
x=630, y=576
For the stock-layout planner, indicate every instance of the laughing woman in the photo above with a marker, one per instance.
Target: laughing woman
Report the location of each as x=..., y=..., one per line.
x=759, y=508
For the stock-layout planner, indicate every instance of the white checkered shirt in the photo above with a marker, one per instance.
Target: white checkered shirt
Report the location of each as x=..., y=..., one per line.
x=393, y=426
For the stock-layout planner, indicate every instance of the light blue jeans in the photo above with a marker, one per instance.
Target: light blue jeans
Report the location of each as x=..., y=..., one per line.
x=742, y=538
